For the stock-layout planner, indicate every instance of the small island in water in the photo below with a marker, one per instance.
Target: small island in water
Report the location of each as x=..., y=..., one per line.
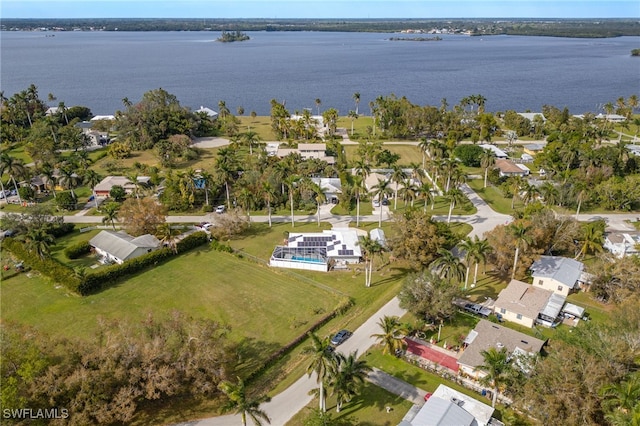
x=229, y=36
x=416, y=38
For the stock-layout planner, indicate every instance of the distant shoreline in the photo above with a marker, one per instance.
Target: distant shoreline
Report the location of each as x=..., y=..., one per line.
x=574, y=28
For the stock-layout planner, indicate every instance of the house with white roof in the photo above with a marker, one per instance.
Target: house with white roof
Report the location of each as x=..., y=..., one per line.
x=527, y=305
x=561, y=275
x=318, y=251
x=117, y=247
x=331, y=187
x=497, y=151
x=208, y=111
x=488, y=335
x=531, y=116
x=307, y=151
x=447, y=406
x=622, y=244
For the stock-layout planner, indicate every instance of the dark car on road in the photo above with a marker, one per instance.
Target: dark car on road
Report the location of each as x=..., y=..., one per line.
x=340, y=337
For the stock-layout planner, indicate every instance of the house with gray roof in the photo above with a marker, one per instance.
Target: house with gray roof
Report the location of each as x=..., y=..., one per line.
x=527, y=305
x=561, y=275
x=447, y=406
x=488, y=335
x=117, y=247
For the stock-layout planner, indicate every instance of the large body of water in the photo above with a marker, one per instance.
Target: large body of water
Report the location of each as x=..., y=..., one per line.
x=99, y=69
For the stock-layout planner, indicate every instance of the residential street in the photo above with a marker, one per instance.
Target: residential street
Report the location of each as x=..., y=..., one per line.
x=293, y=399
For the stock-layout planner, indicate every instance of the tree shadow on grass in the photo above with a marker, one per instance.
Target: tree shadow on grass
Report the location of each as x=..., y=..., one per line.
x=396, y=273
x=251, y=354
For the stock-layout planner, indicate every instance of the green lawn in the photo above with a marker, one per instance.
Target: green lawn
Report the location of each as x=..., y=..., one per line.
x=257, y=302
x=408, y=154
x=366, y=409
x=493, y=196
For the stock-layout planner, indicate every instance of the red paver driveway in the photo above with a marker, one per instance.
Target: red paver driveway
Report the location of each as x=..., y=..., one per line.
x=426, y=352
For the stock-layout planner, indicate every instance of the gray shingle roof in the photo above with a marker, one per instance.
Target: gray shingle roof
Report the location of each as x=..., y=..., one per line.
x=562, y=269
x=122, y=245
x=493, y=335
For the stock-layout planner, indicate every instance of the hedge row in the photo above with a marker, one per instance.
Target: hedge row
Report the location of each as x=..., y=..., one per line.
x=276, y=356
x=94, y=282
x=109, y=275
x=76, y=250
x=48, y=267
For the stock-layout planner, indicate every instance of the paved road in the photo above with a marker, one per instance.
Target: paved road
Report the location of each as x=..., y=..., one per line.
x=286, y=404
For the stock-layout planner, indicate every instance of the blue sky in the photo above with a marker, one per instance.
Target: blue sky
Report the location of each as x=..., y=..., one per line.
x=319, y=9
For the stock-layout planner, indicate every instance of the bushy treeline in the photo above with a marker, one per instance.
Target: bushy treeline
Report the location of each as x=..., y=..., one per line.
x=108, y=379
x=546, y=27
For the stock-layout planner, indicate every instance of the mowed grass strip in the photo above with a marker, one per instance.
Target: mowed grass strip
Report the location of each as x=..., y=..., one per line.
x=257, y=302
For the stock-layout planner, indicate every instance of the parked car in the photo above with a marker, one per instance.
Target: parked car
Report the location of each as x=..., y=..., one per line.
x=340, y=337
x=220, y=209
x=385, y=202
x=376, y=203
x=474, y=308
x=427, y=396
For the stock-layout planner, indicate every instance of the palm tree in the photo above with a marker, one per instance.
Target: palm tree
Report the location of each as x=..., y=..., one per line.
x=318, y=103
x=250, y=138
x=529, y=192
x=110, y=211
x=370, y=249
x=549, y=193
x=322, y=359
x=358, y=188
x=226, y=166
x=240, y=402
x=468, y=247
x=291, y=183
x=623, y=396
x=347, y=377
x=487, y=159
x=356, y=98
x=424, y=145
x=38, y=241
x=520, y=232
x=353, y=116
x=167, y=236
x=455, y=196
x=69, y=179
x=497, y=368
x=246, y=199
x=268, y=193
x=591, y=239
x=92, y=178
x=424, y=192
x=397, y=176
x=380, y=191
x=13, y=167
x=449, y=266
x=207, y=179
x=392, y=336
x=480, y=251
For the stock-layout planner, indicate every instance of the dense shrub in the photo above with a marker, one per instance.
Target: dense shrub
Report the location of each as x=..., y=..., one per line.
x=48, y=267
x=57, y=230
x=76, y=250
x=218, y=246
x=469, y=155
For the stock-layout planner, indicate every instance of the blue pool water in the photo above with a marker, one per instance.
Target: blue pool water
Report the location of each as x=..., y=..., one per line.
x=307, y=259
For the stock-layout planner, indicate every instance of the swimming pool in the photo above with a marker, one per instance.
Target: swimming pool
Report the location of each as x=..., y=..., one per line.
x=307, y=259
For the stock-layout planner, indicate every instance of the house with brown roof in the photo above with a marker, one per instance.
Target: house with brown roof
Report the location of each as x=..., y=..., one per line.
x=104, y=187
x=488, y=335
x=527, y=305
x=509, y=168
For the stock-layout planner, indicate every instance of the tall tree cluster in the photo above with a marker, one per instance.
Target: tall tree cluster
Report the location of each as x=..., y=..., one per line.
x=107, y=380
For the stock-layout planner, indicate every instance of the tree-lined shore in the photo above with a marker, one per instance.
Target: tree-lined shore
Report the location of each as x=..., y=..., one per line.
x=587, y=28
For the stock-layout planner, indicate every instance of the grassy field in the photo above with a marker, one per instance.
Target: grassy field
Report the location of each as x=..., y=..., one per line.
x=203, y=283
x=366, y=409
x=408, y=154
